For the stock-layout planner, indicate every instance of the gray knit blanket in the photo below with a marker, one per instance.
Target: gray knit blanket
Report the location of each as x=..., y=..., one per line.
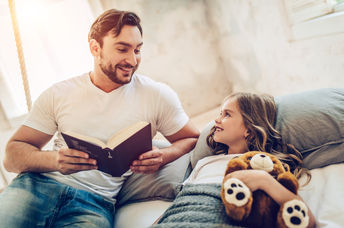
x=197, y=205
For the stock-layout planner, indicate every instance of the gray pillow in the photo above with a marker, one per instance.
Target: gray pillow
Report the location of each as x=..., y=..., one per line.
x=313, y=121
x=202, y=149
x=160, y=185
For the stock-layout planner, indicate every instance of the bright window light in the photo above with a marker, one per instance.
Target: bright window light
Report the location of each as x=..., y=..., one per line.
x=54, y=39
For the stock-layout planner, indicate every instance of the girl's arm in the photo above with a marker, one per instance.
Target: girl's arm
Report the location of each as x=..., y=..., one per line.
x=259, y=179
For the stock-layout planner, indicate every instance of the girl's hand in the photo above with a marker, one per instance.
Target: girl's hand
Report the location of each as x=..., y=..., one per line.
x=254, y=179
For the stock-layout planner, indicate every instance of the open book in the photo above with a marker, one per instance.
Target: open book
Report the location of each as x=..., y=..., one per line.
x=116, y=155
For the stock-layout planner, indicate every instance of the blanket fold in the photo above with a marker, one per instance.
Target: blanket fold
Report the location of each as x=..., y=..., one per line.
x=197, y=205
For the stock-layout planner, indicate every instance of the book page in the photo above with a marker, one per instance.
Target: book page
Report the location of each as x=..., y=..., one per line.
x=125, y=133
x=87, y=139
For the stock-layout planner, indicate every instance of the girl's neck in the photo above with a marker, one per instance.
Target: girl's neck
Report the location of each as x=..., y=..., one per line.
x=237, y=149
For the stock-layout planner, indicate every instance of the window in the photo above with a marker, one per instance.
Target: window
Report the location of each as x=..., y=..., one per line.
x=54, y=40
x=312, y=18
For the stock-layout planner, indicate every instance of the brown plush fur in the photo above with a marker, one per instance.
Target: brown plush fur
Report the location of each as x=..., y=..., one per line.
x=260, y=210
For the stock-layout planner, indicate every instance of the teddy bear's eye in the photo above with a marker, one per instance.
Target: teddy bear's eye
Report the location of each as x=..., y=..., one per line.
x=249, y=158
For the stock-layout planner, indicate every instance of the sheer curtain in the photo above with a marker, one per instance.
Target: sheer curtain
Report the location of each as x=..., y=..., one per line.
x=54, y=38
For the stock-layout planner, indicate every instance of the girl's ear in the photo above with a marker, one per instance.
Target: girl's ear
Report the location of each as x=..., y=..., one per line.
x=246, y=133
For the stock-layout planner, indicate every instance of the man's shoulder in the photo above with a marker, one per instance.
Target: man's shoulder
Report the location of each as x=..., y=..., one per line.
x=66, y=87
x=143, y=81
x=75, y=81
x=148, y=87
x=140, y=79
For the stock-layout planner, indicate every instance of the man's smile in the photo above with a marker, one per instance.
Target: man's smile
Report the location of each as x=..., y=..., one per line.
x=125, y=68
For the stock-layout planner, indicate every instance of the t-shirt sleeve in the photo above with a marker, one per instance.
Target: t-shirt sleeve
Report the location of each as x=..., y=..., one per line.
x=41, y=116
x=171, y=115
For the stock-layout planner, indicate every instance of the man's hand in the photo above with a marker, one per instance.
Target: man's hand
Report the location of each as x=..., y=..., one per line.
x=71, y=161
x=148, y=162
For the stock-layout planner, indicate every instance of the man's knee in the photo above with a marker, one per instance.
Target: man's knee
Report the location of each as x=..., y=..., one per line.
x=90, y=220
x=15, y=207
x=23, y=204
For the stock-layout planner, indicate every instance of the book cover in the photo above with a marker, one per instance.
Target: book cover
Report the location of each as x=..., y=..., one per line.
x=115, y=156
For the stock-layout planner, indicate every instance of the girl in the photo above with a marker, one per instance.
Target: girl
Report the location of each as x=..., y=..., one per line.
x=245, y=124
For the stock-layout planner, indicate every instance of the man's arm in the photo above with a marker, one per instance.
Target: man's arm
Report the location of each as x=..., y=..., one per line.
x=24, y=154
x=182, y=142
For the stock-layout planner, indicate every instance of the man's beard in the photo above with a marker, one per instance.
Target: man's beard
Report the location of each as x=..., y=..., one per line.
x=111, y=72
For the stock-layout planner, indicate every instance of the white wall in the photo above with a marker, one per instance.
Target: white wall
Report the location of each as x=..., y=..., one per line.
x=254, y=39
x=200, y=44
x=180, y=48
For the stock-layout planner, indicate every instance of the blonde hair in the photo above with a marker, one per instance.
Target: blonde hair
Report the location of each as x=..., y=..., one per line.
x=259, y=114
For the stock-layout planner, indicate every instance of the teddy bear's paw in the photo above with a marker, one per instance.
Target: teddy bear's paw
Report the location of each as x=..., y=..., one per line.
x=294, y=214
x=236, y=192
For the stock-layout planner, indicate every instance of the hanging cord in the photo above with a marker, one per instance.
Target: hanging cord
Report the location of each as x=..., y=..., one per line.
x=20, y=53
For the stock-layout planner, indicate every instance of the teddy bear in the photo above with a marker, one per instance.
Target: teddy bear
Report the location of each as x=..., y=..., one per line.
x=257, y=209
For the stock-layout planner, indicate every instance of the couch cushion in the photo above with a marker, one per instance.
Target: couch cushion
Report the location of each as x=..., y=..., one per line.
x=201, y=149
x=141, y=214
x=313, y=121
x=161, y=185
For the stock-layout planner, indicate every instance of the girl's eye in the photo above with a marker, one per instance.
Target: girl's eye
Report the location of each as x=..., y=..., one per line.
x=137, y=51
x=122, y=50
x=224, y=114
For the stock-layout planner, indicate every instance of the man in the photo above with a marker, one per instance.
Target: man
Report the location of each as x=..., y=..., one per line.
x=51, y=189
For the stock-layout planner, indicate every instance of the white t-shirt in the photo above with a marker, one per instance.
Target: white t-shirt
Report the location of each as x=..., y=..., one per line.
x=77, y=105
x=210, y=170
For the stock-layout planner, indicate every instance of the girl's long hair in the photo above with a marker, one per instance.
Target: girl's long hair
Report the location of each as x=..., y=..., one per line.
x=259, y=114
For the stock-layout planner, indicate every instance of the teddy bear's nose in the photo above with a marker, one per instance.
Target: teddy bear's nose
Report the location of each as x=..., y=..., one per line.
x=262, y=155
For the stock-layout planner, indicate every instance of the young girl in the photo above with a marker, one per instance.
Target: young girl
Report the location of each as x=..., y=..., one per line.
x=245, y=124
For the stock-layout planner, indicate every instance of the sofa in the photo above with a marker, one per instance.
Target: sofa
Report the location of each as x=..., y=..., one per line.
x=313, y=121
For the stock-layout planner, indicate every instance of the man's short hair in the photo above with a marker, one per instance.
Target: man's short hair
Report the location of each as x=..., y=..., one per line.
x=112, y=21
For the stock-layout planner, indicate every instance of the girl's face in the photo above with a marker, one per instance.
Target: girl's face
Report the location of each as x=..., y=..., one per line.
x=230, y=128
